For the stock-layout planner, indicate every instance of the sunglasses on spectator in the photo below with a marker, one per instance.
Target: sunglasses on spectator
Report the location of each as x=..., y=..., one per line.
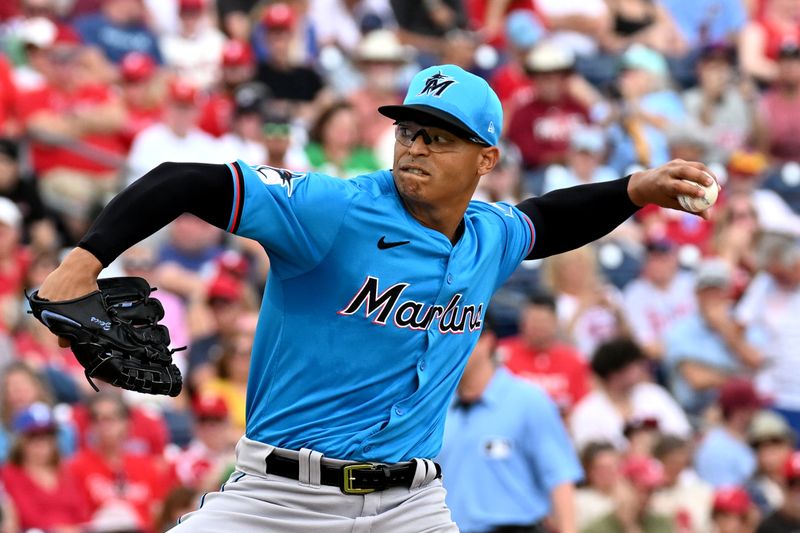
x=769, y=440
x=276, y=130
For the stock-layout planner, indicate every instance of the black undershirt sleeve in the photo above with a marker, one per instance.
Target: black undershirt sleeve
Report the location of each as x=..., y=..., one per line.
x=566, y=219
x=155, y=200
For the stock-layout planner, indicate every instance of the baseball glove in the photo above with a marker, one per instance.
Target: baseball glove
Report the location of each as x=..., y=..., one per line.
x=114, y=333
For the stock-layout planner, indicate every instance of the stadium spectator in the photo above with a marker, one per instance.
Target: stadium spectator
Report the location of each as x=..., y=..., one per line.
x=773, y=442
x=20, y=388
x=502, y=184
x=293, y=85
x=75, y=123
x=45, y=495
x=334, y=143
x=207, y=460
x=541, y=128
x=787, y=518
x=423, y=24
x=776, y=25
x=342, y=23
x=140, y=93
x=35, y=37
x=497, y=475
x=603, y=485
x=576, y=26
x=706, y=347
x=194, y=52
x=708, y=21
x=643, y=22
x=238, y=68
x=658, y=297
x=537, y=355
x=589, y=309
x=176, y=137
x=722, y=113
x=776, y=288
x=732, y=511
x=645, y=476
x=736, y=228
x=380, y=59
x=779, y=109
x=108, y=473
x=723, y=457
x=509, y=80
x=119, y=28
x=282, y=150
x=648, y=107
x=684, y=496
x=583, y=162
x=623, y=394
x=244, y=140
x=232, y=369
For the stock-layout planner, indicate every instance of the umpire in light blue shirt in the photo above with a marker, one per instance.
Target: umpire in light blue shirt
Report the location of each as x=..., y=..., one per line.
x=507, y=460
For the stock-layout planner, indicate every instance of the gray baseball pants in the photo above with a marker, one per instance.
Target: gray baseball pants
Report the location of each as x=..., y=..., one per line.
x=252, y=500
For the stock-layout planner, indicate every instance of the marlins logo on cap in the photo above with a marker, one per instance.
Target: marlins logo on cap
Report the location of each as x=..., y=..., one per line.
x=449, y=94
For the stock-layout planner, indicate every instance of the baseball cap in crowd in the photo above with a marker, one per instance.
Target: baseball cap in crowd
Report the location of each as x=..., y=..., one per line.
x=66, y=36
x=643, y=472
x=182, y=92
x=739, y=394
x=36, y=418
x=713, y=273
x=791, y=468
x=769, y=426
x=588, y=139
x=191, y=6
x=523, y=29
x=640, y=57
x=136, y=66
x=236, y=53
x=548, y=57
x=733, y=500
x=745, y=164
x=718, y=51
x=208, y=406
x=37, y=31
x=225, y=287
x=381, y=46
x=10, y=214
x=233, y=263
x=450, y=95
x=278, y=16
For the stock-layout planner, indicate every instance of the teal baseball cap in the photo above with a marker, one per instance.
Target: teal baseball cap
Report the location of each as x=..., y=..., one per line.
x=449, y=94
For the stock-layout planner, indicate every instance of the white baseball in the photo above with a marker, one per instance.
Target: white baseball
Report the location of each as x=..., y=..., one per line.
x=696, y=204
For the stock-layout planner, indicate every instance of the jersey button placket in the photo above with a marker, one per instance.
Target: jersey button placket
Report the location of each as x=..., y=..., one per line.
x=421, y=365
x=449, y=279
x=399, y=411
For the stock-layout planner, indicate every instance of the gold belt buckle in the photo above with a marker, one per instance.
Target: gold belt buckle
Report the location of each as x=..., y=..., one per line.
x=348, y=479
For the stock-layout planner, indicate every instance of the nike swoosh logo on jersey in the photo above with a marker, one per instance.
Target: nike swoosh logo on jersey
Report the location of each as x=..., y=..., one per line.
x=383, y=245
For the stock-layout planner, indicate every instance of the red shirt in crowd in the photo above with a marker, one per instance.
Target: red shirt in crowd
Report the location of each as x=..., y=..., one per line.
x=12, y=272
x=560, y=370
x=8, y=96
x=782, y=118
x=141, y=482
x=511, y=84
x=777, y=37
x=138, y=119
x=542, y=130
x=148, y=433
x=51, y=99
x=42, y=507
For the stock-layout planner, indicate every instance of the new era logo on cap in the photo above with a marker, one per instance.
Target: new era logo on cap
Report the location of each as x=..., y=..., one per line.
x=456, y=97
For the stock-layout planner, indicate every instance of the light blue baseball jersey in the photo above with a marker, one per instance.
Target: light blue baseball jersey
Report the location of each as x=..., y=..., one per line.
x=368, y=317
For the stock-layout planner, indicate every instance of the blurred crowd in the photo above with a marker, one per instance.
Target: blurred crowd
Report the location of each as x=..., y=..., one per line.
x=671, y=346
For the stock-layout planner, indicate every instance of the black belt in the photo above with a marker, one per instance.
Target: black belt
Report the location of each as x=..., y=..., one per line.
x=354, y=478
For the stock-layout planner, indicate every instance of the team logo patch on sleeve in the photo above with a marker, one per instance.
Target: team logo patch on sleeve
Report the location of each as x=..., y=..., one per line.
x=278, y=176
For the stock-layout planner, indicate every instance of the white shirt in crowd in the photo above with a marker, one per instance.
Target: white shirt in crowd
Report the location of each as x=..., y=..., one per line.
x=196, y=58
x=651, y=310
x=595, y=325
x=157, y=144
x=778, y=378
x=596, y=419
x=236, y=147
x=578, y=43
